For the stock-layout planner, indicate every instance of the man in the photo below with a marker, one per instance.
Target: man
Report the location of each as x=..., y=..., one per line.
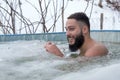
x=78, y=36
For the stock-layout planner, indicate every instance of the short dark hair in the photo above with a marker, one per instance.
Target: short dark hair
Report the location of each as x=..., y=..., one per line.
x=80, y=16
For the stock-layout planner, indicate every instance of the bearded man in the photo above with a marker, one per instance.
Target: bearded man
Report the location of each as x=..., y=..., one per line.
x=78, y=36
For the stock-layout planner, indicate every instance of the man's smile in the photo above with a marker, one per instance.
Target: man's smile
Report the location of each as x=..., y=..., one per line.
x=71, y=40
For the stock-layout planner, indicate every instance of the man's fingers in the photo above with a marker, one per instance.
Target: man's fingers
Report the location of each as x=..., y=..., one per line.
x=47, y=50
x=48, y=46
x=49, y=43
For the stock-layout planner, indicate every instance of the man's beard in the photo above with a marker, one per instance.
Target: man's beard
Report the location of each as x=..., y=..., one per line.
x=79, y=40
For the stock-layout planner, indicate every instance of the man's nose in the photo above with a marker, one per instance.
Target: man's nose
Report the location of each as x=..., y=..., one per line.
x=67, y=33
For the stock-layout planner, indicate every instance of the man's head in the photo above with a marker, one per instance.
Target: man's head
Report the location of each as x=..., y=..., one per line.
x=77, y=26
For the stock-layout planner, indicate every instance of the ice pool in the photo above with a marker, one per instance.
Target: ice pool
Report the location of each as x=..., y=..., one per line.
x=28, y=60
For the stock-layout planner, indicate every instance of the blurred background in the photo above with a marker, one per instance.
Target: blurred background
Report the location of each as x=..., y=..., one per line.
x=44, y=16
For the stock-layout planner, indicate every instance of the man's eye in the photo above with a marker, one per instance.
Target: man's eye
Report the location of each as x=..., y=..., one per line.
x=71, y=29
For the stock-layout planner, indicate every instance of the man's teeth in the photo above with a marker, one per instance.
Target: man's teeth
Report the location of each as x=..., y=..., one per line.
x=70, y=38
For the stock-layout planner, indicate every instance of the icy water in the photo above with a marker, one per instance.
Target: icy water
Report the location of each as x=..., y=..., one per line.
x=28, y=60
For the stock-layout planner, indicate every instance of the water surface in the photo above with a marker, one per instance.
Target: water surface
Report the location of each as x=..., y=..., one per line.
x=28, y=60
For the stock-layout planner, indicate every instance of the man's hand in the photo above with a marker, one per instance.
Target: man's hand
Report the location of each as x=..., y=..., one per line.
x=52, y=48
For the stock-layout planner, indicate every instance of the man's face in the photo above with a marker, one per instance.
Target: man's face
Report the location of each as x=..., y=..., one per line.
x=74, y=34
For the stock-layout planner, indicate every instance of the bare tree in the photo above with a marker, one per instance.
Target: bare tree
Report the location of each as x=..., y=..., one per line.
x=91, y=8
x=56, y=14
x=21, y=14
x=10, y=19
x=100, y=3
x=13, y=13
x=114, y=3
x=43, y=13
x=10, y=15
x=58, y=11
x=63, y=14
x=87, y=6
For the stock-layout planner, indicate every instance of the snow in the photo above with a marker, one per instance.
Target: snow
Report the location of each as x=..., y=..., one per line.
x=111, y=17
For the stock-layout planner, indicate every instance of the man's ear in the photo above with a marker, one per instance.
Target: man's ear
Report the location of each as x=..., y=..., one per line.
x=84, y=29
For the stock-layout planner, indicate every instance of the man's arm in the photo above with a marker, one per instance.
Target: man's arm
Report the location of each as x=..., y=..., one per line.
x=52, y=48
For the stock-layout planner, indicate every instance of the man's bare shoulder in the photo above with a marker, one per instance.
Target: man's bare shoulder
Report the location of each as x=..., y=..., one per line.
x=98, y=49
